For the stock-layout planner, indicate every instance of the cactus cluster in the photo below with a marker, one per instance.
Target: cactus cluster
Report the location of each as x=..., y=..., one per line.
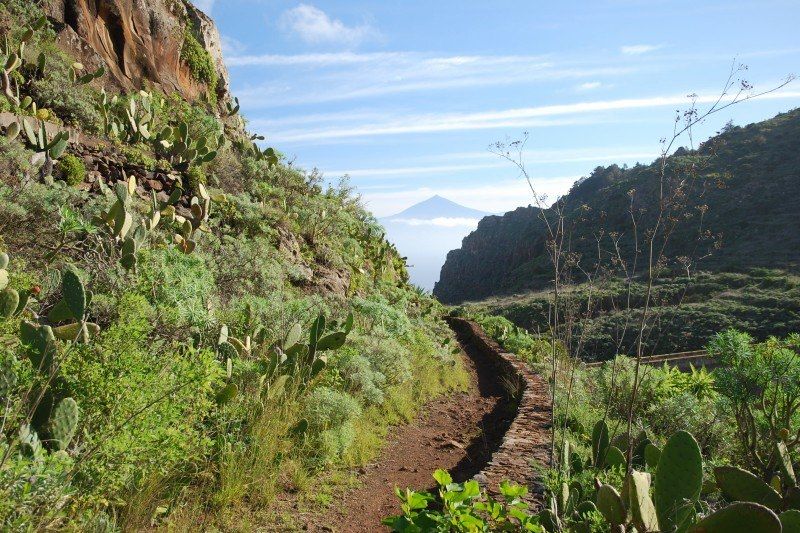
x=39, y=340
x=667, y=498
x=118, y=221
x=38, y=139
x=200, y=207
x=76, y=76
x=292, y=359
x=184, y=151
x=12, y=58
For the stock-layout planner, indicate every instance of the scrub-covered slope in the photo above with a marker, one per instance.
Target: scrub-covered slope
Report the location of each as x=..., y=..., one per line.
x=188, y=327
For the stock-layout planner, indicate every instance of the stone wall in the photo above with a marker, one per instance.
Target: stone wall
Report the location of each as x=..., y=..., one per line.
x=525, y=450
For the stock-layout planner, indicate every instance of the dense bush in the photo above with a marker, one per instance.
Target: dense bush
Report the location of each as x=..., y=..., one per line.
x=72, y=169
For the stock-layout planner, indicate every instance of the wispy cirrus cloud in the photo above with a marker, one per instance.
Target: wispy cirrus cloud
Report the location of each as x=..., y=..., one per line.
x=639, y=49
x=589, y=86
x=327, y=77
x=541, y=116
x=472, y=161
x=314, y=26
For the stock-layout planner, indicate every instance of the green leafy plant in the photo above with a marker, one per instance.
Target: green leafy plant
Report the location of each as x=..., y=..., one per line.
x=464, y=507
x=72, y=169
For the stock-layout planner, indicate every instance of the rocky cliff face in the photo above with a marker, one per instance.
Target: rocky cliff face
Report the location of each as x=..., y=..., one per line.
x=743, y=179
x=139, y=42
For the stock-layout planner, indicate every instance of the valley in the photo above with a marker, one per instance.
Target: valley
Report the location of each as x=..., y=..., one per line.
x=201, y=330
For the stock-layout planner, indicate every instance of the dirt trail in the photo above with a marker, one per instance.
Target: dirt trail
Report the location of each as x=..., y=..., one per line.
x=458, y=433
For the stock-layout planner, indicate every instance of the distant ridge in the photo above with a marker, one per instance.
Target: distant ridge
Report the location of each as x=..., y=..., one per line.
x=751, y=179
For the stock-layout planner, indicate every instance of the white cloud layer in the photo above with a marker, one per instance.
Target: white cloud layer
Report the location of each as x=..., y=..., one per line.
x=639, y=49
x=314, y=26
x=440, y=222
x=540, y=116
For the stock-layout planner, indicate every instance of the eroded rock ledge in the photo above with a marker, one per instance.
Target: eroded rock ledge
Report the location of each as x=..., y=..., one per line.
x=525, y=450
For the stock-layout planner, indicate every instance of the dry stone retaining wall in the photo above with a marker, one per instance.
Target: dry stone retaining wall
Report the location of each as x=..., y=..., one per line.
x=525, y=450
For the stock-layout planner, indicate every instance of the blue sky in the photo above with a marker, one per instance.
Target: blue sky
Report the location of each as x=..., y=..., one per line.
x=406, y=96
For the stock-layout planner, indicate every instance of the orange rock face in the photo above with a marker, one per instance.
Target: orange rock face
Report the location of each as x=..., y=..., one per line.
x=138, y=41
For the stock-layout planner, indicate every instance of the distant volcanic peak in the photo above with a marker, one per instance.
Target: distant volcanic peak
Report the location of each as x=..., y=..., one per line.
x=438, y=207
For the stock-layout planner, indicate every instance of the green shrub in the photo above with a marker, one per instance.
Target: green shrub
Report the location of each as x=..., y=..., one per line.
x=15, y=160
x=359, y=377
x=199, y=61
x=386, y=356
x=330, y=414
x=194, y=177
x=327, y=408
x=140, y=155
x=72, y=169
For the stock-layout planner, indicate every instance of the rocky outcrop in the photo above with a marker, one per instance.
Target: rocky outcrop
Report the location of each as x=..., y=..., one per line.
x=482, y=266
x=139, y=42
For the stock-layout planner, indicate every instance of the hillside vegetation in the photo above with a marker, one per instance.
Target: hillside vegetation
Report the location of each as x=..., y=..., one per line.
x=189, y=327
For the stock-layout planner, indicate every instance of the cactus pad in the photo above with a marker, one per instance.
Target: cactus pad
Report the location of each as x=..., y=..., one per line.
x=790, y=520
x=785, y=463
x=9, y=302
x=599, y=442
x=614, y=457
x=739, y=517
x=610, y=505
x=740, y=485
x=64, y=422
x=679, y=479
x=641, y=505
x=652, y=453
x=74, y=293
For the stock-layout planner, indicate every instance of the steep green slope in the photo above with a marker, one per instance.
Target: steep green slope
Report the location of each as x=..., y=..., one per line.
x=745, y=176
x=171, y=351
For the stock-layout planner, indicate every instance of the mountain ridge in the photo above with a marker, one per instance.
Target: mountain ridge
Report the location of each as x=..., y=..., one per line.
x=753, y=169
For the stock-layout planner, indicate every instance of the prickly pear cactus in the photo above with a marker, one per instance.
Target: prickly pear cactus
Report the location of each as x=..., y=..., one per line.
x=679, y=479
x=610, y=505
x=64, y=422
x=785, y=463
x=614, y=457
x=739, y=517
x=599, y=442
x=642, y=509
x=740, y=485
x=652, y=454
x=9, y=302
x=790, y=520
x=3, y=271
x=74, y=293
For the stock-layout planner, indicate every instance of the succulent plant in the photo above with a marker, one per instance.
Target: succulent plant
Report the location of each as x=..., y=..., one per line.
x=744, y=517
x=12, y=58
x=82, y=79
x=611, y=505
x=184, y=151
x=600, y=442
x=39, y=140
x=679, y=479
x=738, y=484
x=64, y=423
